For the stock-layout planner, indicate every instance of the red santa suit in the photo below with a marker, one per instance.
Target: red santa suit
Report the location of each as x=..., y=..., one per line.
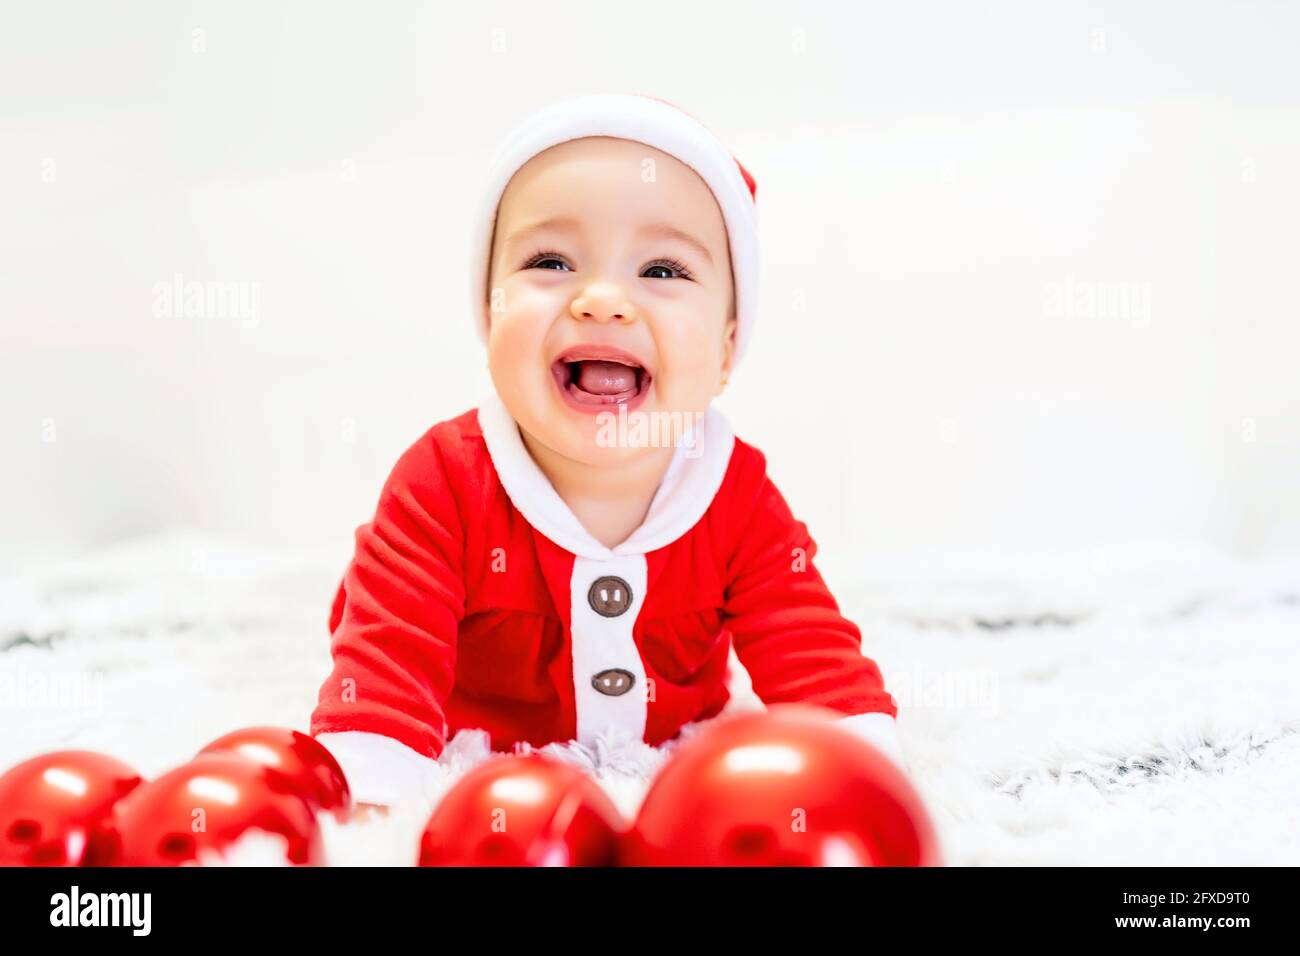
x=476, y=599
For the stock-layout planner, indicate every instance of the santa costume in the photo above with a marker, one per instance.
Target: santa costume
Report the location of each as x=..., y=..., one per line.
x=476, y=599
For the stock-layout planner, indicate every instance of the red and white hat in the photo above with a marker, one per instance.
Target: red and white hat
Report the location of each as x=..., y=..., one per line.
x=643, y=119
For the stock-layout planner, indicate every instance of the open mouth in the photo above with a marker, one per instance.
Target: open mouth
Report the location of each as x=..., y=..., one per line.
x=600, y=378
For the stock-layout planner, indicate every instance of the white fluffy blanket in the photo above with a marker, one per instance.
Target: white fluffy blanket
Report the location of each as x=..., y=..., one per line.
x=1134, y=706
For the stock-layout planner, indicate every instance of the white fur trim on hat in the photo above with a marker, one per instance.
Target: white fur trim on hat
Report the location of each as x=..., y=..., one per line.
x=642, y=119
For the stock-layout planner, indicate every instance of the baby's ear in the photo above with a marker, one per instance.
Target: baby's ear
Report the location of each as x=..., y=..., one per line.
x=729, y=342
x=486, y=306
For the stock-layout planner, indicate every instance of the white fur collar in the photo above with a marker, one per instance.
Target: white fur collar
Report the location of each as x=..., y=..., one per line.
x=688, y=487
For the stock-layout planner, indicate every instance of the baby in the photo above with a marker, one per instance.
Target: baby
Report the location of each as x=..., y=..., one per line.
x=591, y=553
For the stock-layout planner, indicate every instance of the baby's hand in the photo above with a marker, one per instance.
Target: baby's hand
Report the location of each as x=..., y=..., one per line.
x=367, y=811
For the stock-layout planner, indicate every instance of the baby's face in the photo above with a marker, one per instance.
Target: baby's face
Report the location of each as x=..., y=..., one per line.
x=604, y=242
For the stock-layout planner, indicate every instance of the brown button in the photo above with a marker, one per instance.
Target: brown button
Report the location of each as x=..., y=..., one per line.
x=609, y=596
x=614, y=682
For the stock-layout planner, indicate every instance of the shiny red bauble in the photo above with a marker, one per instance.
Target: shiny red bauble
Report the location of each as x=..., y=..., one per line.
x=53, y=808
x=305, y=765
x=781, y=788
x=523, y=810
x=208, y=804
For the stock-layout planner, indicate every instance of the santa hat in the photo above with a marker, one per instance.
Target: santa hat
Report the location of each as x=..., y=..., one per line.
x=644, y=119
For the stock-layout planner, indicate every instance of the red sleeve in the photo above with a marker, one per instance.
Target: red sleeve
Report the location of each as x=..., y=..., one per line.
x=396, y=614
x=787, y=628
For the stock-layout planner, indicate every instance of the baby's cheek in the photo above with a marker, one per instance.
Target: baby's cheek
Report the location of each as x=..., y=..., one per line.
x=517, y=332
x=509, y=346
x=690, y=375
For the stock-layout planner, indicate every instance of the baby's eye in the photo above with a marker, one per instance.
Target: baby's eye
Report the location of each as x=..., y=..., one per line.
x=669, y=265
x=541, y=259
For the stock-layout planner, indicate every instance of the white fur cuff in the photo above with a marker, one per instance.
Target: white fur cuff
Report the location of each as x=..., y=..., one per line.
x=877, y=729
x=380, y=769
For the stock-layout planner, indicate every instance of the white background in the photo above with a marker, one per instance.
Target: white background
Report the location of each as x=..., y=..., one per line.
x=931, y=178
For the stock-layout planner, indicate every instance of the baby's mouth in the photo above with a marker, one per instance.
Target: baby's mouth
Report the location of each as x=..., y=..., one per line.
x=600, y=381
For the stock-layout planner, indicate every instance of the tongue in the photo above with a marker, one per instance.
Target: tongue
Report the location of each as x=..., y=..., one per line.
x=605, y=378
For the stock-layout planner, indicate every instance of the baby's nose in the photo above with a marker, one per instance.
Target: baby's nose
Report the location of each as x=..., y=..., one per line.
x=603, y=303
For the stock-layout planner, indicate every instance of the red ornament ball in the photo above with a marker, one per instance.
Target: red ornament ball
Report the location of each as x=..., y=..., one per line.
x=305, y=765
x=54, y=808
x=209, y=803
x=523, y=810
x=781, y=788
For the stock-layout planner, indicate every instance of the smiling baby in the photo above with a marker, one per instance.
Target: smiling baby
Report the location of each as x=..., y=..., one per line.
x=591, y=553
